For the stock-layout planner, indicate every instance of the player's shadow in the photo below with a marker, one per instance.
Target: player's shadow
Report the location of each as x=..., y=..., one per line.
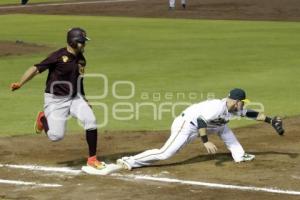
x=110, y=158
x=219, y=158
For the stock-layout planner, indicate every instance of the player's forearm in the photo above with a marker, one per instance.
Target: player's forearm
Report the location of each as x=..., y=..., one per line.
x=258, y=116
x=203, y=135
x=28, y=75
x=261, y=117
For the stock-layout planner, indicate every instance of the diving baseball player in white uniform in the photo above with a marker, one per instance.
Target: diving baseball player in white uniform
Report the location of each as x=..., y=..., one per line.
x=209, y=116
x=64, y=95
x=172, y=4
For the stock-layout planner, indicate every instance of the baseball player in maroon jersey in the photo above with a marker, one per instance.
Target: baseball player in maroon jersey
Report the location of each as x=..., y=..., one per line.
x=64, y=94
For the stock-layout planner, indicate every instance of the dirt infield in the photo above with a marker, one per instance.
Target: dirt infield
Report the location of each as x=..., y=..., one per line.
x=18, y=48
x=276, y=166
x=284, y=10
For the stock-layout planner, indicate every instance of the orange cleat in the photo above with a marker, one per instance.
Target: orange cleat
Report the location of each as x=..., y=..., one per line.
x=93, y=162
x=38, y=125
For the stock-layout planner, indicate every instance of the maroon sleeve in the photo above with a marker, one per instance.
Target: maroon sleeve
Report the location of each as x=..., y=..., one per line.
x=49, y=62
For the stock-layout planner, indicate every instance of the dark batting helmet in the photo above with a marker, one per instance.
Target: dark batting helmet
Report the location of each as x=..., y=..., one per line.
x=75, y=36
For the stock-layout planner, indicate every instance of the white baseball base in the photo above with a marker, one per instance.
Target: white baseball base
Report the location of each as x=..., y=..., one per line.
x=110, y=168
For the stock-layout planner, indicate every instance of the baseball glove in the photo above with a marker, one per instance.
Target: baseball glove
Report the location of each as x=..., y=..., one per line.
x=277, y=125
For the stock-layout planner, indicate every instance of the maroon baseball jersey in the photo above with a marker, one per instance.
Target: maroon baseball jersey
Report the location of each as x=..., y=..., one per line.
x=64, y=71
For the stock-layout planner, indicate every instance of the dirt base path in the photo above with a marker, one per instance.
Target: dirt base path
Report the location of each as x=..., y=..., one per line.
x=287, y=10
x=277, y=165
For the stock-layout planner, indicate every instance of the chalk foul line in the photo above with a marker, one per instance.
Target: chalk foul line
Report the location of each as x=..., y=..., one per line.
x=68, y=170
x=14, y=182
x=65, y=170
x=218, y=185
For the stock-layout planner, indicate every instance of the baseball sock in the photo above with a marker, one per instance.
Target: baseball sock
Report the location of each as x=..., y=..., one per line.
x=91, y=138
x=45, y=124
x=24, y=2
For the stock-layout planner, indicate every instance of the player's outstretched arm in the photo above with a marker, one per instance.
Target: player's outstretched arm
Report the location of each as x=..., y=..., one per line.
x=28, y=75
x=276, y=122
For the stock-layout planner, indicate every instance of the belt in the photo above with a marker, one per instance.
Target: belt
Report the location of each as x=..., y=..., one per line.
x=182, y=115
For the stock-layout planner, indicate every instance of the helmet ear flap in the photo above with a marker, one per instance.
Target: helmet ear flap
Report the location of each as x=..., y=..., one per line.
x=73, y=43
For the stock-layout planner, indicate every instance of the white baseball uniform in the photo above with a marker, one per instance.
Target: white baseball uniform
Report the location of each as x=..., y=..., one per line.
x=184, y=130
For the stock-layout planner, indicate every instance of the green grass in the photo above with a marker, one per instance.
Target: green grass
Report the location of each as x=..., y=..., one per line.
x=7, y=2
x=158, y=56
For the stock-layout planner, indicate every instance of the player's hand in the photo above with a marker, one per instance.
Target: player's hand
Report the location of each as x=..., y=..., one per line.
x=210, y=147
x=15, y=86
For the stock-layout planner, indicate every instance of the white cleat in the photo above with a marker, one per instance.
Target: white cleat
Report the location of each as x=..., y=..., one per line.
x=122, y=163
x=246, y=157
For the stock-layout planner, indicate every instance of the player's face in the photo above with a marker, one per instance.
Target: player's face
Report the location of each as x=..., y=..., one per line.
x=231, y=104
x=236, y=106
x=240, y=105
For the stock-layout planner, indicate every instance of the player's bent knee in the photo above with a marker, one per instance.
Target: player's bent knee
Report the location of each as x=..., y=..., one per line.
x=90, y=124
x=55, y=137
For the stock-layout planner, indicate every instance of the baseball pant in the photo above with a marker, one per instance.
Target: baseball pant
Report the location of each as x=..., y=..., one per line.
x=182, y=133
x=231, y=142
x=172, y=3
x=58, y=110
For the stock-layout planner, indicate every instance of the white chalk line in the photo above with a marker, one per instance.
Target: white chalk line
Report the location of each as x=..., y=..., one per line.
x=62, y=4
x=217, y=185
x=68, y=170
x=14, y=182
